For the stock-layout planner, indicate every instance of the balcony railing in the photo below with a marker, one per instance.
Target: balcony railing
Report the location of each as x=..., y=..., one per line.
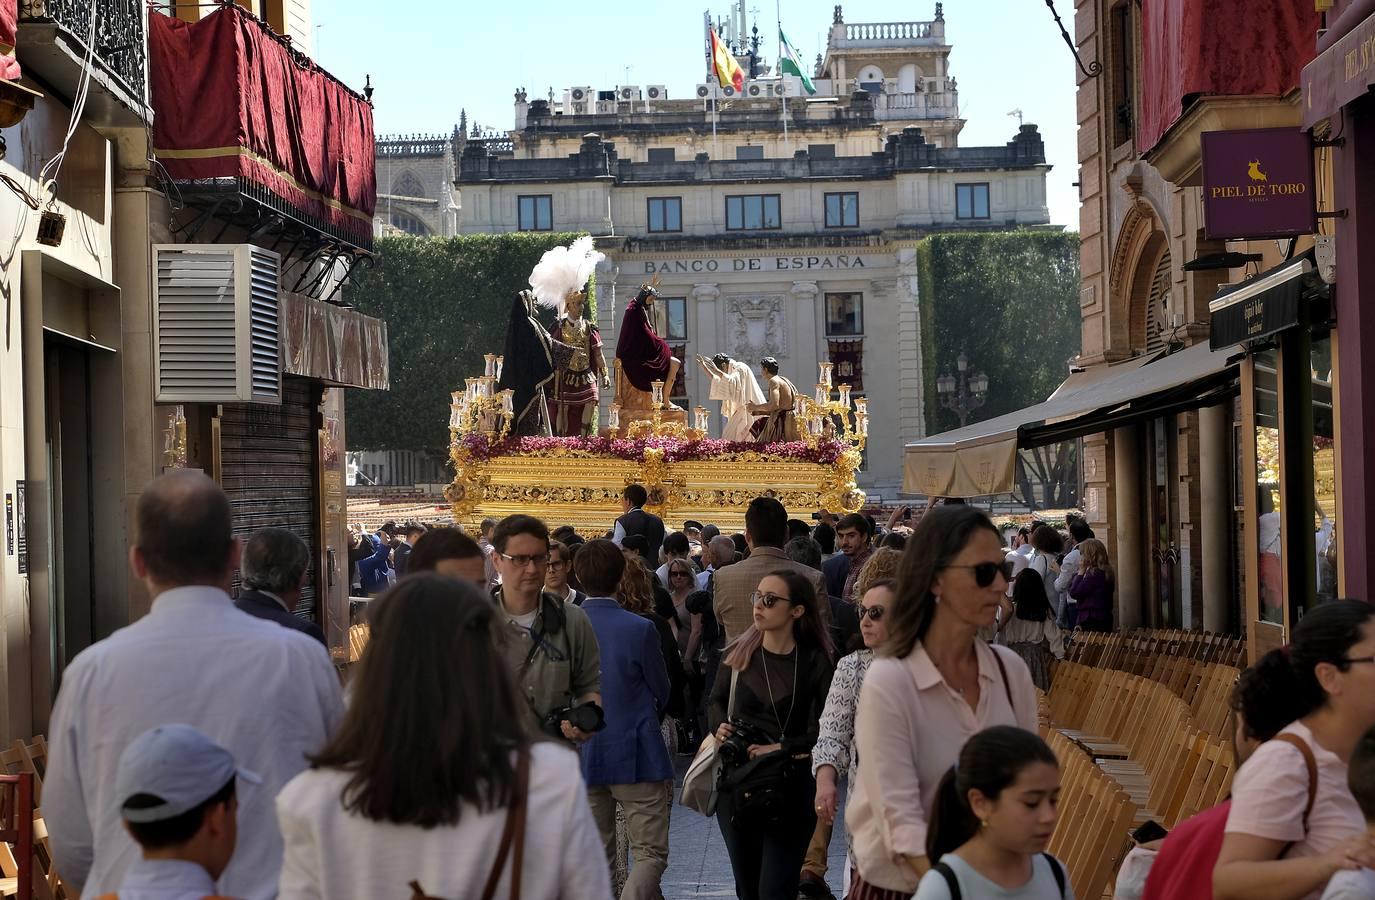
x=120, y=43
x=888, y=31
x=921, y=105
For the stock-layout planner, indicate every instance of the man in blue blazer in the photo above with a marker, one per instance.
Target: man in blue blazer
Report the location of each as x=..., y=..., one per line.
x=273, y=570
x=627, y=762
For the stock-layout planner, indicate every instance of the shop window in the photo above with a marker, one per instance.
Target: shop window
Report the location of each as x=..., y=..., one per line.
x=753, y=212
x=665, y=214
x=1324, y=470
x=842, y=210
x=1123, y=80
x=844, y=314
x=971, y=201
x=1267, y=488
x=536, y=212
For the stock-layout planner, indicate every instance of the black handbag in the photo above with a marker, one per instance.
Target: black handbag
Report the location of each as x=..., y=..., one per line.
x=764, y=787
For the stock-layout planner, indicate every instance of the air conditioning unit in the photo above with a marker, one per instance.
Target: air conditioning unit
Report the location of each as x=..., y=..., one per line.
x=756, y=89
x=580, y=94
x=782, y=89
x=707, y=91
x=216, y=324
x=656, y=92
x=729, y=91
x=628, y=94
x=606, y=107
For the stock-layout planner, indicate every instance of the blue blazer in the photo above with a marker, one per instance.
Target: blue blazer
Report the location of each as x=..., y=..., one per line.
x=836, y=569
x=635, y=687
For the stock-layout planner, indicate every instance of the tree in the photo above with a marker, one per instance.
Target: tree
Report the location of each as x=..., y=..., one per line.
x=446, y=302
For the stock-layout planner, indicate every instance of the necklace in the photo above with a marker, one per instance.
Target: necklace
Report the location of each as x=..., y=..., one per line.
x=768, y=684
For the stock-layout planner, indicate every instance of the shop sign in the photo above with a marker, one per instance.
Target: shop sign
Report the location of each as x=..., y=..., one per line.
x=1258, y=183
x=810, y=262
x=1258, y=308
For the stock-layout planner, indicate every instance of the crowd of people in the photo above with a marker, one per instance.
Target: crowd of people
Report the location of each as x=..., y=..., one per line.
x=511, y=728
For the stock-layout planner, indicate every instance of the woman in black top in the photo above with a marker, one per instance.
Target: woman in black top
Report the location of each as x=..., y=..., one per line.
x=782, y=666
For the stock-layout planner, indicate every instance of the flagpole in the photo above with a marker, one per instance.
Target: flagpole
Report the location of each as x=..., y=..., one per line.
x=712, y=79
x=787, y=147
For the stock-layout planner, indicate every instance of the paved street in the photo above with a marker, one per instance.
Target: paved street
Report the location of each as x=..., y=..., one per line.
x=697, y=862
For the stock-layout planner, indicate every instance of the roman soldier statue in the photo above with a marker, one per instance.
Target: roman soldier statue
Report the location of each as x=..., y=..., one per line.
x=559, y=282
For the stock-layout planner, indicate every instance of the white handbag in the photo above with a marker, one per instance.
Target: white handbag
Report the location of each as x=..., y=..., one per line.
x=699, y=784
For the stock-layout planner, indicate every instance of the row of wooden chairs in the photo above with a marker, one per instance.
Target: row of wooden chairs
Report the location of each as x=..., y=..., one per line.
x=30, y=758
x=1145, y=737
x=1136, y=651
x=1095, y=817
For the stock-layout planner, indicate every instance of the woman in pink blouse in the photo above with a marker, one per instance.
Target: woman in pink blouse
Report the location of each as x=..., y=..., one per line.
x=934, y=686
x=1293, y=822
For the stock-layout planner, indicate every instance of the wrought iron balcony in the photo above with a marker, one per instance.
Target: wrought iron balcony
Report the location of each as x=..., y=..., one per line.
x=55, y=40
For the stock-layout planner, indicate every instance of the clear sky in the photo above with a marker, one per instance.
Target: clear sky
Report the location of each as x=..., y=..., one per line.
x=430, y=58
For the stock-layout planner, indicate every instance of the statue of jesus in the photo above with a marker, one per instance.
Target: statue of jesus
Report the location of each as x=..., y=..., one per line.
x=734, y=384
x=642, y=357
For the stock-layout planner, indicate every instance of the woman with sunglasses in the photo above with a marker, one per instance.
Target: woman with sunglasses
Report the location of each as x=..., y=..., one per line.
x=779, y=670
x=834, y=756
x=933, y=685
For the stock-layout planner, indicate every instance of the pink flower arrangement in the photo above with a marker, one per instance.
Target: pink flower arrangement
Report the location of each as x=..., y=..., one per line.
x=481, y=447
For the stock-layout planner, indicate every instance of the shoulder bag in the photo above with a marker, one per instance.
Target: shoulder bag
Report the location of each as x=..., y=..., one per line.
x=704, y=774
x=1311, y=764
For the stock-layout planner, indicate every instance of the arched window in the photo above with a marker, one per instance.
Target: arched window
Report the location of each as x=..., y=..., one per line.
x=409, y=224
x=871, y=79
x=1158, y=305
x=908, y=77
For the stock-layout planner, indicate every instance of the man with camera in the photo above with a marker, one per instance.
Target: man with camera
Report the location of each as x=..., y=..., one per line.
x=627, y=764
x=551, y=646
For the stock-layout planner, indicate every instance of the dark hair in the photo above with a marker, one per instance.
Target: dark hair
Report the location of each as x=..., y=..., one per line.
x=185, y=529
x=511, y=526
x=770, y=364
x=677, y=543
x=1285, y=683
x=742, y=547
x=804, y=550
x=990, y=762
x=1265, y=703
x=1047, y=540
x=689, y=524
x=432, y=688
x=798, y=528
x=637, y=542
x=599, y=565
x=439, y=544
x=1360, y=774
x=825, y=535
x=894, y=540
x=559, y=547
x=1080, y=530
x=709, y=531
x=635, y=494
x=486, y=526
x=275, y=560
x=563, y=533
x=855, y=522
x=1025, y=531
x=766, y=522
x=177, y=830
x=720, y=359
x=1029, y=596
x=939, y=537
x=808, y=631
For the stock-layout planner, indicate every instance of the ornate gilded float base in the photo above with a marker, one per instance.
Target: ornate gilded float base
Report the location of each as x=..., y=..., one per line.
x=578, y=482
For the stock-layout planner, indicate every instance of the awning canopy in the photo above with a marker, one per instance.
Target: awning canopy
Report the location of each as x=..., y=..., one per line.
x=1281, y=298
x=1342, y=72
x=981, y=459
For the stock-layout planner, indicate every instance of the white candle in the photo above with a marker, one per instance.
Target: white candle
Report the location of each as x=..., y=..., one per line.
x=699, y=417
x=844, y=395
x=862, y=406
x=822, y=393
x=657, y=389
x=613, y=418
x=826, y=373
x=500, y=362
x=491, y=368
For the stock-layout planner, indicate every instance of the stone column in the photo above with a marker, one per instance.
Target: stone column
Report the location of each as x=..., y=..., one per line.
x=1215, y=502
x=807, y=346
x=707, y=341
x=1126, y=556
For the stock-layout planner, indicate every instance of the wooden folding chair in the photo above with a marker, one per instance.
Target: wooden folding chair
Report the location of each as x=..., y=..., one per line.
x=16, y=831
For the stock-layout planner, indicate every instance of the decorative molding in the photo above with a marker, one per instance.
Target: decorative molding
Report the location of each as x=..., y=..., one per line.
x=757, y=326
x=706, y=293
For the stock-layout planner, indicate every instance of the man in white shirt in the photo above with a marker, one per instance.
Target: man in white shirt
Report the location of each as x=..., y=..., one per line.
x=267, y=694
x=719, y=551
x=1019, y=555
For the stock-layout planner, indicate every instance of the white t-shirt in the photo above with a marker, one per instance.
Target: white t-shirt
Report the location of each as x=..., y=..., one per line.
x=1357, y=884
x=973, y=886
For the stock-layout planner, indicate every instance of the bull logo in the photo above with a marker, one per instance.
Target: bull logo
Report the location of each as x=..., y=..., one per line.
x=1254, y=172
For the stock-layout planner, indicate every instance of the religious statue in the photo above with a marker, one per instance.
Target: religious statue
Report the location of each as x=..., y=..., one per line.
x=559, y=282
x=780, y=421
x=733, y=383
x=531, y=362
x=642, y=357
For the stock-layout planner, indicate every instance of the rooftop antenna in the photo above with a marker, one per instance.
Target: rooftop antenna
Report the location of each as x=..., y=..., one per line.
x=1018, y=113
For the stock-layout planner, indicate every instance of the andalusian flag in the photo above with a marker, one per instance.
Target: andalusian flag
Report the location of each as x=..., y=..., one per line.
x=790, y=63
x=728, y=71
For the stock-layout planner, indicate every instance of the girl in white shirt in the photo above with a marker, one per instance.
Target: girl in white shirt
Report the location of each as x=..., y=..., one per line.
x=994, y=815
x=1031, y=631
x=432, y=757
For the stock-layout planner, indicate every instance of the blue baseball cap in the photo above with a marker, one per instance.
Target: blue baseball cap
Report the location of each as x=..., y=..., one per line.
x=177, y=764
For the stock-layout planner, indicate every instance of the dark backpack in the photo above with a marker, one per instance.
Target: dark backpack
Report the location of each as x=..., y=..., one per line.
x=953, y=883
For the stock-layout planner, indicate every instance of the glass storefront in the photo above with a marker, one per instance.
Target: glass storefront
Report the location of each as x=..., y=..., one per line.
x=1324, y=470
x=1269, y=503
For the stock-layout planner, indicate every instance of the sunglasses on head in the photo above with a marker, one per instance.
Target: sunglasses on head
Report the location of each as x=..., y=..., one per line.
x=873, y=612
x=984, y=573
x=760, y=598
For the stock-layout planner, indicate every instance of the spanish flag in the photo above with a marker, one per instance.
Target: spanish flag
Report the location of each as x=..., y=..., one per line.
x=728, y=71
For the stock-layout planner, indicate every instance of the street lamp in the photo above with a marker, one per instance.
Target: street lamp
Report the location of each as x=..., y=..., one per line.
x=962, y=393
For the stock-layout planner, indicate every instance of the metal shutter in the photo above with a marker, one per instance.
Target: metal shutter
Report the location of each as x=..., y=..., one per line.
x=268, y=469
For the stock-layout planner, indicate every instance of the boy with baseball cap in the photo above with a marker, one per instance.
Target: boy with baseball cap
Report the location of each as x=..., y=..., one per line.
x=176, y=790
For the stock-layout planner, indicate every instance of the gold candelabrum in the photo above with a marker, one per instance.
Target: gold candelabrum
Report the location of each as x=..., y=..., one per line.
x=480, y=407
x=656, y=426
x=817, y=414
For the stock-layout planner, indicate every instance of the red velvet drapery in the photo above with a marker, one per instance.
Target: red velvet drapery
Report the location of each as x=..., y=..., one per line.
x=9, y=30
x=230, y=100
x=1240, y=47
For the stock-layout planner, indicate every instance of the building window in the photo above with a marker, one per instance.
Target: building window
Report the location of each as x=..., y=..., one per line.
x=753, y=212
x=844, y=314
x=536, y=212
x=674, y=320
x=1123, y=74
x=409, y=224
x=842, y=210
x=756, y=152
x=665, y=213
x=971, y=201
x=821, y=151
x=661, y=155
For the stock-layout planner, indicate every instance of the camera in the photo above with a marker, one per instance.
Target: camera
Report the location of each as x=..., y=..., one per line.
x=586, y=717
x=735, y=750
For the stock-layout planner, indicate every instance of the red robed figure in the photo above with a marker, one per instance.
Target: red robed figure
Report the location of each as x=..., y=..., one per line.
x=643, y=354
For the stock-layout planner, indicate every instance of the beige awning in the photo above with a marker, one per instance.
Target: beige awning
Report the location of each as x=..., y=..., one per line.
x=981, y=459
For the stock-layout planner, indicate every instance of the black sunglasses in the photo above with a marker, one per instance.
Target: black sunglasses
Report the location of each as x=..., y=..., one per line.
x=767, y=600
x=984, y=573
x=873, y=612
